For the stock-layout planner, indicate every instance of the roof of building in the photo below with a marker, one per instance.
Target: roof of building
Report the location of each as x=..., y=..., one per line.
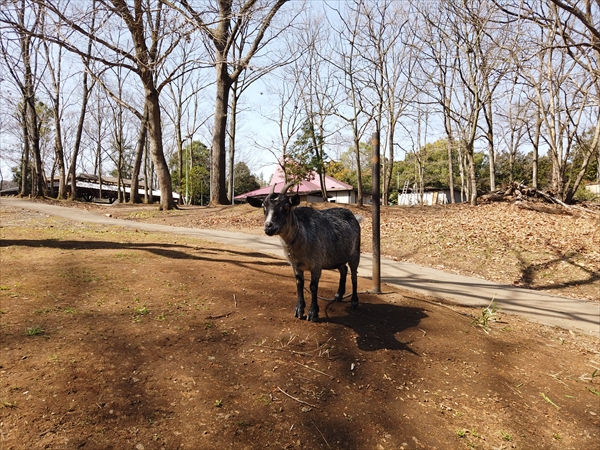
x=304, y=188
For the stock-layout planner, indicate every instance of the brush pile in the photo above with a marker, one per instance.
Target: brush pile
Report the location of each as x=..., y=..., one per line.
x=521, y=193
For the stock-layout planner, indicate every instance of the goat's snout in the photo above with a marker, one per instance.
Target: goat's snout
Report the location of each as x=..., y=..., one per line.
x=271, y=228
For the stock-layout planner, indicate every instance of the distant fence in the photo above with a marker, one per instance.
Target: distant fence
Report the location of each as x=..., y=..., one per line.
x=430, y=198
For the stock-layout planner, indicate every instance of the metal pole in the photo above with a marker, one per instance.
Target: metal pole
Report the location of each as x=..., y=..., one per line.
x=375, y=210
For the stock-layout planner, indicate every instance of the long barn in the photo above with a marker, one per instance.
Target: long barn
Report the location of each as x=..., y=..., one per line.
x=92, y=188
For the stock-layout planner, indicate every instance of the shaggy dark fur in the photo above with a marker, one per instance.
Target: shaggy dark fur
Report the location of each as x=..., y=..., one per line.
x=314, y=240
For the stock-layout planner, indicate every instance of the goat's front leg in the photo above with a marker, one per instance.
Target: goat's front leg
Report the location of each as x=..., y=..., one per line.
x=354, y=277
x=313, y=312
x=299, y=311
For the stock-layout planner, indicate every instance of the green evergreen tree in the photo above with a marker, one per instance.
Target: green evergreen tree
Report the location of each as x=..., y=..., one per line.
x=243, y=180
x=304, y=156
x=195, y=185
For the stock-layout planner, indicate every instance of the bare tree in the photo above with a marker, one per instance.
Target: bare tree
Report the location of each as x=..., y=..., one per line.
x=23, y=23
x=288, y=117
x=53, y=59
x=318, y=89
x=437, y=78
x=578, y=24
x=96, y=130
x=184, y=109
x=222, y=23
x=563, y=97
x=154, y=33
x=389, y=65
x=351, y=108
x=568, y=99
x=262, y=65
x=466, y=57
x=495, y=52
x=462, y=26
x=514, y=116
x=86, y=86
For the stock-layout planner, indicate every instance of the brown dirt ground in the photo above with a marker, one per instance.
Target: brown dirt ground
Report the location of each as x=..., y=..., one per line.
x=117, y=339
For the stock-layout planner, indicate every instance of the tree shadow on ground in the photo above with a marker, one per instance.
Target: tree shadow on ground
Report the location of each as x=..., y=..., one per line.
x=375, y=323
x=173, y=251
x=530, y=272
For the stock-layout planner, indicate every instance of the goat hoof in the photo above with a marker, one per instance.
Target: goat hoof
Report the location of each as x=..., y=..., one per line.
x=312, y=317
x=354, y=303
x=299, y=313
x=338, y=298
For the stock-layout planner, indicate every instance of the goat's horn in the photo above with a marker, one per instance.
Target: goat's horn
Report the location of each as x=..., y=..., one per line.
x=285, y=188
x=272, y=189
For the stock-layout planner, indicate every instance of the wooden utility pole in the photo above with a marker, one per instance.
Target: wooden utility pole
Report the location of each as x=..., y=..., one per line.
x=375, y=210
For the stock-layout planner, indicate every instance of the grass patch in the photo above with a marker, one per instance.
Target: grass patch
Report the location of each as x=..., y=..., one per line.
x=142, y=311
x=487, y=315
x=506, y=436
x=34, y=331
x=594, y=391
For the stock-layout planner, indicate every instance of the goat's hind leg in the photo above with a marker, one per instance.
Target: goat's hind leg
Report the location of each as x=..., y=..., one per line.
x=313, y=312
x=339, y=296
x=299, y=311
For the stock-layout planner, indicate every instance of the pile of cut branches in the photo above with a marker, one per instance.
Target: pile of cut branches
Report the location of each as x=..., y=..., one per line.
x=518, y=192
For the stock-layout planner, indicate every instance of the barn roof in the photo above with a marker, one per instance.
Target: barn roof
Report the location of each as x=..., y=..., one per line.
x=305, y=187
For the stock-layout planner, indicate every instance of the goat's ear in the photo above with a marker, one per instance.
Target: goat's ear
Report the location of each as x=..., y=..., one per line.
x=295, y=200
x=256, y=202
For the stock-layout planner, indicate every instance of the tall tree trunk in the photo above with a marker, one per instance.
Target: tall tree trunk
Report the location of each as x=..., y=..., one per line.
x=59, y=161
x=449, y=146
x=32, y=120
x=218, y=194
x=463, y=184
x=38, y=188
x=58, y=150
x=359, y=183
x=389, y=168
x=472, y=174
x=134, y=195
x=25, y=188
x=156, y=149
x=536, y=145
x=180, y=168
x=99, y=163
x=120, y=146
x=232, y=128
x=147, y=180
x=82, y=113
x=511, y=161
x=487, y=110
x=317, y=145
x=78, y=133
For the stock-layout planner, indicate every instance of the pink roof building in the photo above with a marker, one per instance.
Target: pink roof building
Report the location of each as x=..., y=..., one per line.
x=310, y=191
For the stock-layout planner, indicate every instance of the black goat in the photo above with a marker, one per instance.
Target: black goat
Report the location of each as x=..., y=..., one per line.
x=313, y=240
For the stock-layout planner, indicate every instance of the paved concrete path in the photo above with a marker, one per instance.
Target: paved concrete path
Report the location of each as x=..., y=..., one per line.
x=578, y=315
